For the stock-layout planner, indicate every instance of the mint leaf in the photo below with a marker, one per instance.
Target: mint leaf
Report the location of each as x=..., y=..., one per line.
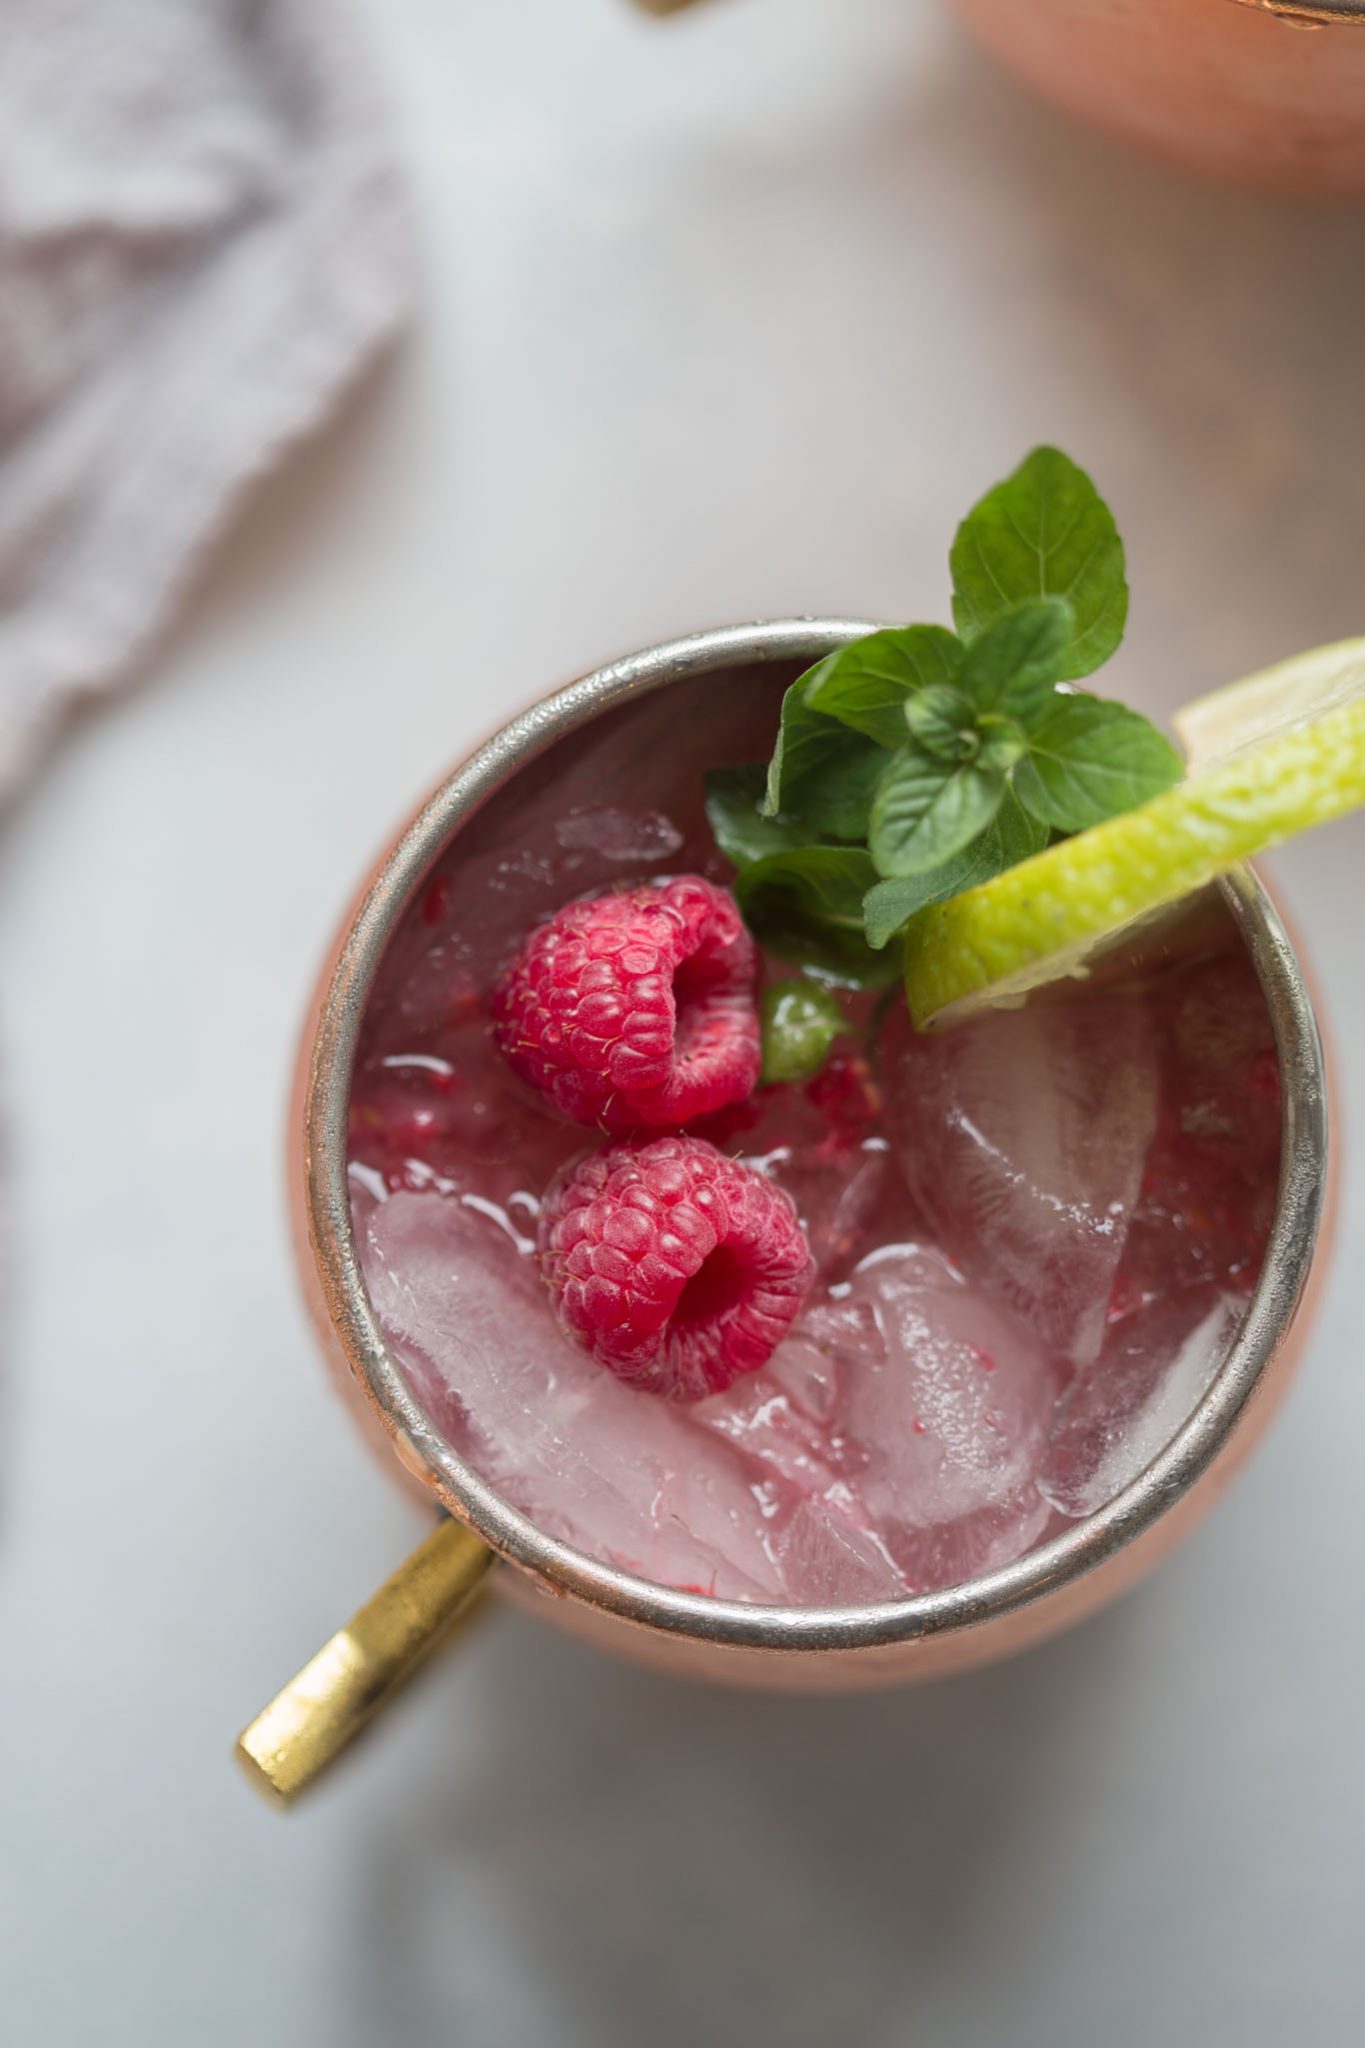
x=799, y=1022
x=734, y=811
x=942, y=720
x=1002, y=744
x=1011, y=837
x=926, y=810
x=807, y=907
x=887, y=905
x=1044, y=532
x=867, y=684
x=1091, y=760
x=1011, y=666
x=821, y=772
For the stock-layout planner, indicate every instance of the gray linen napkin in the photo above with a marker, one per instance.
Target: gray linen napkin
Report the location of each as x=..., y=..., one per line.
x=203, y=240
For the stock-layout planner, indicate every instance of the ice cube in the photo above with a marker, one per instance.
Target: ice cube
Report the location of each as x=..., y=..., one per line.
x=826, y=1561
x=838, y=1191
x=821, y=1143
x=615, y=1472
x=1023, y=1136
x=941, y=1417
x=1126, y=1407
x=619, y=835
x=779, y=1417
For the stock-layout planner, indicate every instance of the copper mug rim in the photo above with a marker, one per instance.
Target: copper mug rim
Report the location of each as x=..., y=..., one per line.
x=1312, y=13
x=559, y=1566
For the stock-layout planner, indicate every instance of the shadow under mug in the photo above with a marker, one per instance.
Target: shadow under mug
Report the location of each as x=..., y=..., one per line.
x=812, y=1649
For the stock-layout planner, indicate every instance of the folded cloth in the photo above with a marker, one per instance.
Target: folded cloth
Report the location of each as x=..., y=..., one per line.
x=203, y=239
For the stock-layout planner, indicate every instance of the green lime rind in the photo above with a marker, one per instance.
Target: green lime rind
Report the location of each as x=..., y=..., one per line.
x=1042, y=919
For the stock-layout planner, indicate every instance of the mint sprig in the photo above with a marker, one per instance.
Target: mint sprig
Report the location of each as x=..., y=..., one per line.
x=918, y=762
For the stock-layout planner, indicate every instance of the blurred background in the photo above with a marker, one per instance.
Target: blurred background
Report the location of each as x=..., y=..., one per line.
x=703, y=320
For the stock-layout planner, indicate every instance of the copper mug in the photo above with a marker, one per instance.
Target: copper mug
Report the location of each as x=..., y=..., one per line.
x=813, y=1649
x=1269, y=93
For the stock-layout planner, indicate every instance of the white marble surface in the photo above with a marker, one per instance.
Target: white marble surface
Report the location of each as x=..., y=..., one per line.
x=726, y=316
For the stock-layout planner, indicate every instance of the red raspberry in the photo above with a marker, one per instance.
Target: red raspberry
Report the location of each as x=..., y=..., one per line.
x=679, y=1269
x=636, y=1008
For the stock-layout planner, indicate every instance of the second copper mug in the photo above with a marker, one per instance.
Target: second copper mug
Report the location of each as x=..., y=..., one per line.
x=1267, y=93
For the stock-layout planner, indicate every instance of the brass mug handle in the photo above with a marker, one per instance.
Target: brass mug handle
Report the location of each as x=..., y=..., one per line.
x=321, y=1711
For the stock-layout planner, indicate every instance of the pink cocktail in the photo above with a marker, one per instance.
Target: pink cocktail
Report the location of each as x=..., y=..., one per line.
x=1033, y=1235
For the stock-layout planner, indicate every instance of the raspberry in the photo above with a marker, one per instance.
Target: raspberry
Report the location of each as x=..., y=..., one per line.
x=677, y=1268
x=636, y=1008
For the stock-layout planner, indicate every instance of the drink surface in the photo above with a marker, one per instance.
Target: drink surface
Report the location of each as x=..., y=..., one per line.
x=1035, y=1236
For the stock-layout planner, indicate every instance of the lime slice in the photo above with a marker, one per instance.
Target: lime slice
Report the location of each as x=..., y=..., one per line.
x=1259, y=775
x=1273, y=701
